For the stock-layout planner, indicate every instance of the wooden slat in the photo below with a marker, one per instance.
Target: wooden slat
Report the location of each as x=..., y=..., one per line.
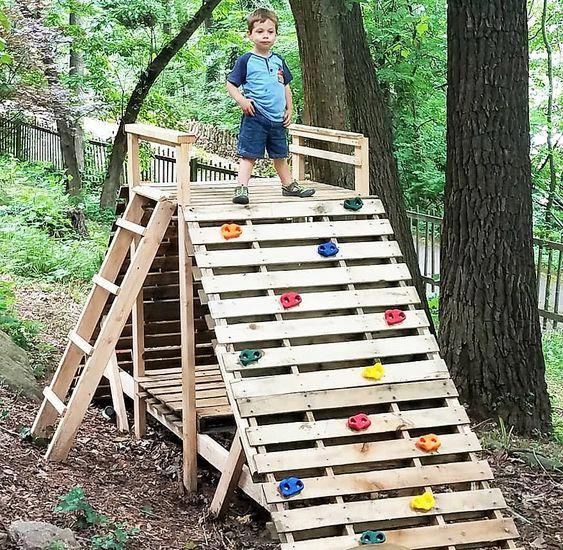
x=423, y=537
x=55, y=400
x=295, y=132
x=384, y=273
x=337, y=427
x=360, y=453
x=80, y=343
x=319, y=301
x=156, y=134
x=327, y=326
x=323, y=154
x=334, y=399
x=385, y=480
x=385, y=509
x=292, y=209
x=296, y=254
x=107, y=285
x=318, y=133
x=292, y=231
x=131, y=227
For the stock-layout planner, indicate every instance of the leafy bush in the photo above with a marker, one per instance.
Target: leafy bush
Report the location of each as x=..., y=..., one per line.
x=75, y=502
x=21, y=331
x=115, y=539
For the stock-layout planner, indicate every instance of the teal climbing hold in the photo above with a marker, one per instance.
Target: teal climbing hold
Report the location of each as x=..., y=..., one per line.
x=353, y=204
x=373, y=537
x=248, y=356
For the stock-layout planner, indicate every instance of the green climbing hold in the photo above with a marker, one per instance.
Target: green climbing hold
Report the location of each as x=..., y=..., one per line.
x=248, y=356
x=353, y=204
x=373, y=537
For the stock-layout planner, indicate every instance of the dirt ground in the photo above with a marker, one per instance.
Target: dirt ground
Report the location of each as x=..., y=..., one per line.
x=136, y=482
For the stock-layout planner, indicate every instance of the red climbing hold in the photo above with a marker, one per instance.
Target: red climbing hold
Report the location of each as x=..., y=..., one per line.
x=394, y=316
x=290, y=299
x=359, y=422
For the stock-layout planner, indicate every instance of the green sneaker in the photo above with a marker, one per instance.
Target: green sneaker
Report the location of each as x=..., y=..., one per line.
x=241, y=194
x=296, y=190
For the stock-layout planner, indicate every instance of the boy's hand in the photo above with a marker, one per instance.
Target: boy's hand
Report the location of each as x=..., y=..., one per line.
x=288, y=115
x=247, y=107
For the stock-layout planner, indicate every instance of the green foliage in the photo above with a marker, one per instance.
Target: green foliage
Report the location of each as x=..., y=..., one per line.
x=36, y=236
x=75, y=502
x=21, y=331
x=57, y=545
x=116, y=539
x=553, y=353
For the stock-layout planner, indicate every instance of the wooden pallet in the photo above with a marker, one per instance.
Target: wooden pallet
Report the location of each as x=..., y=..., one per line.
x=292, y=406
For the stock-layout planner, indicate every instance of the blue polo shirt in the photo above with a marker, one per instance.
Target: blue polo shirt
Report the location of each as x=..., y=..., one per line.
x=263, y=79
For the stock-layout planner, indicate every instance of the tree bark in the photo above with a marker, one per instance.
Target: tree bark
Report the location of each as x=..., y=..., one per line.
x=147, y=79
x=67, y=135
x=489, y=327
x=77, y=69
x=341, y=90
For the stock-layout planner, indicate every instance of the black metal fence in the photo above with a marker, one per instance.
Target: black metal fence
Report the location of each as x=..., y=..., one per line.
x=37, y=143
x=426, y=230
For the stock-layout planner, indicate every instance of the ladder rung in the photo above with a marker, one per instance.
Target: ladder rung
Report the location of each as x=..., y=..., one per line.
x=130, y=226
x=55, y=400
x=79, y=342
x=105, y=284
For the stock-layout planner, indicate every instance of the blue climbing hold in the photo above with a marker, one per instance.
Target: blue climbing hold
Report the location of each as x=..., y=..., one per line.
x=327, y=249
x=373, y=537
x=248, y=356
x=354, y=204
x=290, y=486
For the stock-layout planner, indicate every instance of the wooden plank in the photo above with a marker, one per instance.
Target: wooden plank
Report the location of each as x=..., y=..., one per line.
x=135, y=228
x=327, y=326
x=413, y=371
x=293, y=209
x=385, y=480
x=334, y=399
x=385, y=509
x=360, y=453
x=323, y=154
x=80, y=343
x=107, y=285
x=297, y=161
x=337, y=427
x=361, y=171
x=55, y=400
x=383, y=273
x=319, y=133
x=469, y=532
x=320, y=301
x=156, y=134
x=292, y=231
x=116, y=390
x=296, y=255
x=334, y=352
x=296, y=134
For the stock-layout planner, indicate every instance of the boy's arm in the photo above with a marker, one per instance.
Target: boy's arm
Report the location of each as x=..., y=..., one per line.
x=245, y=104
x=288, y=106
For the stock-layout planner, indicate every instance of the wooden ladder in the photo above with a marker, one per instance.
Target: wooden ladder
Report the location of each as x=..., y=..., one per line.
x=143, y=243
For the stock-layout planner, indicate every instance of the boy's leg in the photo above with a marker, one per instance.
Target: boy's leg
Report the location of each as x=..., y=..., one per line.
x=244, y=173
x=278, y=151
x=251, y=146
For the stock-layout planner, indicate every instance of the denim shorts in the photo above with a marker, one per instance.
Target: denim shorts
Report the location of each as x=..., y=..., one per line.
x=258, y=134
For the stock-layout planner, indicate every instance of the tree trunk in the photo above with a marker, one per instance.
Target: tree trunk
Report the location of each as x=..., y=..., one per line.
x=77, y=69
x=146, y=80
x=343, y=92
x=489, y=328
x=68, y=149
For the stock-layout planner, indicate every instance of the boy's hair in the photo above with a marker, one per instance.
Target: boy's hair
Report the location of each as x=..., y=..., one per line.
x=260, y=16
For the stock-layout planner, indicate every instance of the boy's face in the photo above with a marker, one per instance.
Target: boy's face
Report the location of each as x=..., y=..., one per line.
x=263, y=34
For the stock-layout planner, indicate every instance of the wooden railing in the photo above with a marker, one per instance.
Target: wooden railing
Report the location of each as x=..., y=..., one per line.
x=359, y=158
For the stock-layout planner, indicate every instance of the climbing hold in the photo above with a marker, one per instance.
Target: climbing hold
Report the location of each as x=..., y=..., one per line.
x=353, y=204
x=373, y=537
x=394, y=316
x=424, y=502
x=375, y=371
x=231, y=231
x=290, y=486
x=248, y=356
x=428, y=443
x=290, y=299
x=328, y=249
x=359, y=422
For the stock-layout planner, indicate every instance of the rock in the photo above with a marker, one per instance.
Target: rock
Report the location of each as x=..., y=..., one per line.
x=15, y=370
x=3, y=539
x=38, y=535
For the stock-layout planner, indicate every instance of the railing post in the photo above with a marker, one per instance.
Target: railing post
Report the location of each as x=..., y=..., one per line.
x=297, y=162
x=361, y=171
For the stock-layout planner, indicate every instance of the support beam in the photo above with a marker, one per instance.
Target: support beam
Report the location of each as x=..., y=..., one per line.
x=116, y=389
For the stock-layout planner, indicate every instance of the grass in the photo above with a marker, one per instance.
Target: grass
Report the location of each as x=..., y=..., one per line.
x=553, y=353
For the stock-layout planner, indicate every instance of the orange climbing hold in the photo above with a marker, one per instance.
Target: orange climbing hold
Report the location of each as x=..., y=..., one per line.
x=428, y=443
x=231, y=230
x=424, y=502
x=374, y=372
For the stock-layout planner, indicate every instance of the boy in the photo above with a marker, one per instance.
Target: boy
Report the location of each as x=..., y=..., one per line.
x=267, y=106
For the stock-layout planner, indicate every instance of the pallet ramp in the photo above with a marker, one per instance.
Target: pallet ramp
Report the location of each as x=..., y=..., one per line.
x=292, y=406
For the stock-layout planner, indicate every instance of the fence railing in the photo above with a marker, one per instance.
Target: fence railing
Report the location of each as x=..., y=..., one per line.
x=426, y=231
x=35, y=143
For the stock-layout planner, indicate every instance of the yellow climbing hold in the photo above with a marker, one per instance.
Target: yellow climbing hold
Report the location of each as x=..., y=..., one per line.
x=375, y=371
x=424, y=502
